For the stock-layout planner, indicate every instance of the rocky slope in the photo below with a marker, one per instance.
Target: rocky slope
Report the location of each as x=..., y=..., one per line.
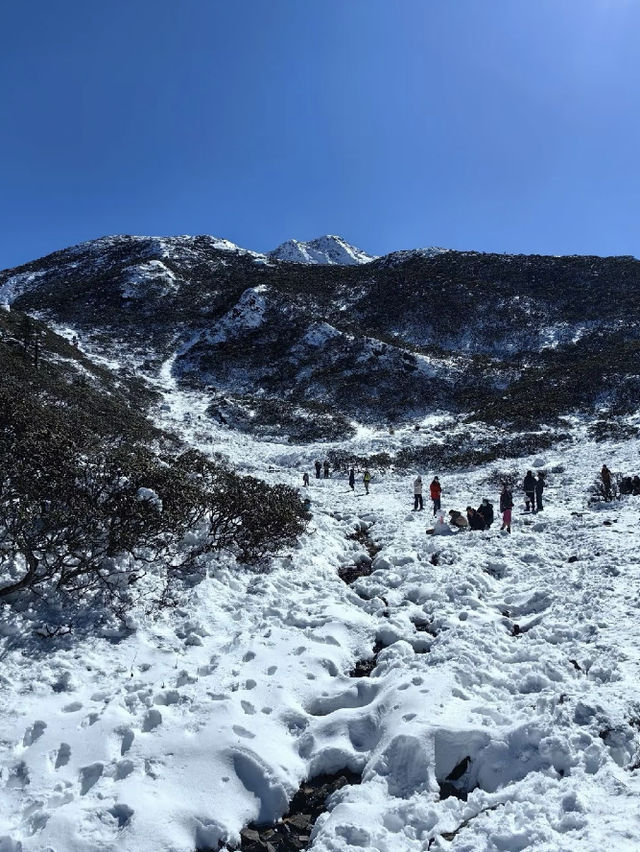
x=512, y=339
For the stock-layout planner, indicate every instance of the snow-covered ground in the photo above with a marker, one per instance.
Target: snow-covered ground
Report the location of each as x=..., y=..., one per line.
x=178, y=735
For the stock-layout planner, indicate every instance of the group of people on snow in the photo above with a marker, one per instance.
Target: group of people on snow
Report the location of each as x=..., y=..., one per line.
x=435, y=491
x=483, y=517
x=322, y=470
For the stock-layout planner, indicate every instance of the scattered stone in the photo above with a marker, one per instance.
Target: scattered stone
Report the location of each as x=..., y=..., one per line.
x=350, y=573
x=292, y=833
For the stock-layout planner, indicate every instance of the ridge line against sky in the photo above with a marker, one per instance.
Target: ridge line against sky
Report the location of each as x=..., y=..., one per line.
x=508, y=127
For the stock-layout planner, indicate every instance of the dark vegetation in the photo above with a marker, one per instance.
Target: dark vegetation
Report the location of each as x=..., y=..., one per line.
x=278, y=418
x=98, y=509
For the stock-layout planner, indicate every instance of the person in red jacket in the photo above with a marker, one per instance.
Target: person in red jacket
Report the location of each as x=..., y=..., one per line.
x=436, y=490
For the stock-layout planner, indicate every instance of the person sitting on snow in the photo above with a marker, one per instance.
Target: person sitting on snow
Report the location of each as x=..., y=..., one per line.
x=457, y=519
x=475, y=519
x=486, y=510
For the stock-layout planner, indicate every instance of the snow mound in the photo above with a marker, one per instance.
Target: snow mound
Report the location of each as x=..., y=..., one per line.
x=328, y=250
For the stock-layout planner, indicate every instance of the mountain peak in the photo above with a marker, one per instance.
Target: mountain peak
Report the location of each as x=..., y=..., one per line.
x=327, y=250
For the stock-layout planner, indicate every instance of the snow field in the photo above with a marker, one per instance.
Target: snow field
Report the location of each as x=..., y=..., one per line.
x=521, y=695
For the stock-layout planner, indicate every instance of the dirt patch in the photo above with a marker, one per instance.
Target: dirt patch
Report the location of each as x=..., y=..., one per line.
x=292, y=833
x=350, y=573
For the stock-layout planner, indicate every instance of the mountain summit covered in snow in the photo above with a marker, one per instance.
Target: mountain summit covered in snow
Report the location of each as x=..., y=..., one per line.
x=323, y=250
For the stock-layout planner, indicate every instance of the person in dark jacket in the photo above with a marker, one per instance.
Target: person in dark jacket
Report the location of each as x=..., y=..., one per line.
x=529, y=488
x=539, y=490
x=476, y=521
x=318, y=469
x=352, y=479
x=605, y=475
x=305, y=479
x=486, y=510
x=506, y=505
x=326, y=470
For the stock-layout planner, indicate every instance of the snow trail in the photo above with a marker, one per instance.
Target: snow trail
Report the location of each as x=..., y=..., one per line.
x=513, y=723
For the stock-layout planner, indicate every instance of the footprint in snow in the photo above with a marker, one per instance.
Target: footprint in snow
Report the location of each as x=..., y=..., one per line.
x=33, y=733
x=152, y=719
x=89, y=775
x=64, y=753
x=127, y=739
x=123, y=769
x=243, y=732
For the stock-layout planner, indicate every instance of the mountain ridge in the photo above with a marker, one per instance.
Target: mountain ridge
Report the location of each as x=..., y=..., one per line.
x=390, y=339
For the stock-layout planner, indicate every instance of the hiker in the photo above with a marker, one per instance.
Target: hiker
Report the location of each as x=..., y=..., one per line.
x=352, y=479
x=318, y=469
x=326, y=469
x=436, y=490
x=529, y=488
x=506, y=505
x=486, y=510
x=305, y=479
x=605, y=475
x=457, y=519
x=475, y=519
x=366, y=479
x=417, y=494
x=539, y=490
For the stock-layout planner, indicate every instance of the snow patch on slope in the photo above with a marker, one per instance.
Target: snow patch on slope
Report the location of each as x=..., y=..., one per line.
x=15, y=286
x=248, y=313
x=141, y=276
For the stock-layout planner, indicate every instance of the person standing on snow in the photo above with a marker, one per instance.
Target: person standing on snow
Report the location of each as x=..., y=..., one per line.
x=366, y=479
x=529, y=488
x=352, y=479
x=506, y=505
x=605, y=475
x=435, y=489
x=318, y=469
x=305, y=479
x=417, y=494
x=326, y=469
x=539, y=490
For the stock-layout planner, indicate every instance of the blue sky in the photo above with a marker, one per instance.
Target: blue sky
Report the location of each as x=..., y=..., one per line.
x=496, y=125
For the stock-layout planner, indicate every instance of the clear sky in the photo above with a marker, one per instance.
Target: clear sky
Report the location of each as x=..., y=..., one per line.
x=497, y=125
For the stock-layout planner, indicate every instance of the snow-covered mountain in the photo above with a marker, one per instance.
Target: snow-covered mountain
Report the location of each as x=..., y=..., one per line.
x=502, y=338
x=323, y=250
x=373, y=687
